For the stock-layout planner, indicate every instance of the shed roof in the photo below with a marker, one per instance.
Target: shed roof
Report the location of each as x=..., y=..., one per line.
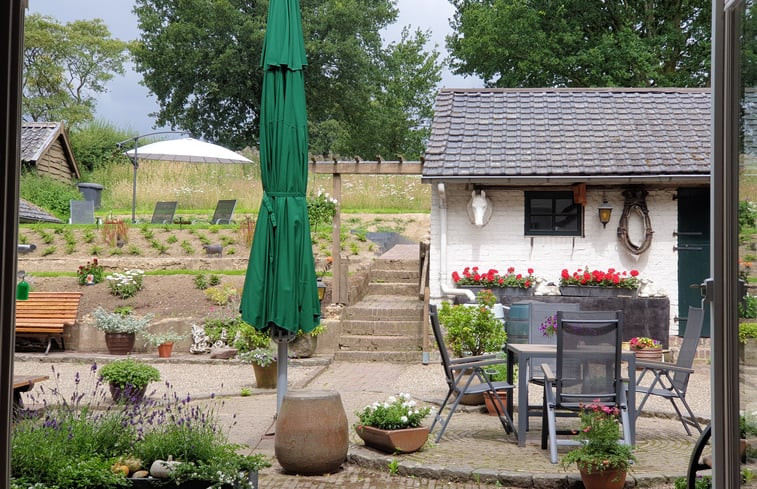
x=577, y=133
x=28, y=212
x=38, y=137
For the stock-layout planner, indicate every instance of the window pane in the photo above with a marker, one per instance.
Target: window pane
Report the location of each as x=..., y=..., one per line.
x=563, y=206
x=540, y=223
x=541, y=206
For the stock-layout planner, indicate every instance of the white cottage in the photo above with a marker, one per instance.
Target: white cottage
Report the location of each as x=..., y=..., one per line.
x=546, y=160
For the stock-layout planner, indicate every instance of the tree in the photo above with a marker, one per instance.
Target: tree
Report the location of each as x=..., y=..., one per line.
x=65, y=66
x=582, y=43
x=201, y=59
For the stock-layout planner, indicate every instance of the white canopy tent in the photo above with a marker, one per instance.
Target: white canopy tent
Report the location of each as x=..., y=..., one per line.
x=186, y=149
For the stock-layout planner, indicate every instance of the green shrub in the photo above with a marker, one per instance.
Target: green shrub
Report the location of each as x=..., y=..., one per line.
x=94, y=145
x=49, y=194
x=746, y=331
x=748, y=307
x=702, y=482
x=129, y=372
x=473, y=330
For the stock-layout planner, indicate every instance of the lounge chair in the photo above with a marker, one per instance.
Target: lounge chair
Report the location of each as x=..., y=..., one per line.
x=224, y=211
x=163, y=212
x=82, y=212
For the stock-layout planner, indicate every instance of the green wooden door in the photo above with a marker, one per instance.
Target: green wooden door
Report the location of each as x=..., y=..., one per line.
x=693, y=252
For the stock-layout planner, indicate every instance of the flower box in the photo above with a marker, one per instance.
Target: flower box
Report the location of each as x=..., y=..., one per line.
x=501, y=292
x=405, y=440
x=597, y=291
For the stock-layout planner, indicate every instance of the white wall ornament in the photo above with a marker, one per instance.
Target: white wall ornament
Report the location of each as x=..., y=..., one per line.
x=480, y=208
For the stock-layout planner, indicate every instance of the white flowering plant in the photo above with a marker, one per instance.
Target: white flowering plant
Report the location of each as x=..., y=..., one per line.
x=395, y=413
x=127, y=284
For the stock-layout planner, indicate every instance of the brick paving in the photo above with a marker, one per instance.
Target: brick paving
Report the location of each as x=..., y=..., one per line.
x=475, y=451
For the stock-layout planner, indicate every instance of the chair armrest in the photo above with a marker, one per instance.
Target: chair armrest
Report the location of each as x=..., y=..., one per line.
x=670, y=367
x=548, y=375
x=476, y=358
x=480, y=364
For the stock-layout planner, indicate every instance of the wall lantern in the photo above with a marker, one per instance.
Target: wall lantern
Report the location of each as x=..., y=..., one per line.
x=321, y=289
x=605, y=212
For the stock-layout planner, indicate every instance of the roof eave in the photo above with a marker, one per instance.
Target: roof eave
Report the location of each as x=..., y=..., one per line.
x=671, y=179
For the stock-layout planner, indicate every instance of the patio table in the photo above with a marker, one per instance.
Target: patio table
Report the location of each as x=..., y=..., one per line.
x=528, y=351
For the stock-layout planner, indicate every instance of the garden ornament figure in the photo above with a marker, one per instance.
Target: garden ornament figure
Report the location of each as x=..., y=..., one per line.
x=479, y=208
x=200, y=341
x=214, y=249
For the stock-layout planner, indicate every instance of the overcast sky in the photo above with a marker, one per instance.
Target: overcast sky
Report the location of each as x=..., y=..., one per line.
x=127, y=103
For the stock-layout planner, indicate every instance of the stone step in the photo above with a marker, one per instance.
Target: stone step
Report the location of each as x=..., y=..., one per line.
x=380, y=356
x=382, y=328
x=404, y=276
x=395, y=264
x=385, y=307
x=392, y=288
x=379, y=343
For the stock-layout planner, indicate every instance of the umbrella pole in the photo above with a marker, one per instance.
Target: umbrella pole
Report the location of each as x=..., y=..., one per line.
x=281, y=380
x=134, y=185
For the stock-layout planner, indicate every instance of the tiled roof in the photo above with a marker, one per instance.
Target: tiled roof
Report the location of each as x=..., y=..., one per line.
x=569, y=132
x=28, y=212
x=36, y=137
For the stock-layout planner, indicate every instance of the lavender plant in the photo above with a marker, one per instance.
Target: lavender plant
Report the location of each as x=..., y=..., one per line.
x=81, y=435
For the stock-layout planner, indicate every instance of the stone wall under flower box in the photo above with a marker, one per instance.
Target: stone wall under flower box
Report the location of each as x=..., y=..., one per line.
x=642, y=316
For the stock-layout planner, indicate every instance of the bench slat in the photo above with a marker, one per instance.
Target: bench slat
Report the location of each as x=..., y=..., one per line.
x=47, y=313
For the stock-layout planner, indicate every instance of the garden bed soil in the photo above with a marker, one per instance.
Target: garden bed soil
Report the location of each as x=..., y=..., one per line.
x=177, y=296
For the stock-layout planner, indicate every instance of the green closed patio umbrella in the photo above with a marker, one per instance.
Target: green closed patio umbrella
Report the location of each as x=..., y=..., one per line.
x=280, y=290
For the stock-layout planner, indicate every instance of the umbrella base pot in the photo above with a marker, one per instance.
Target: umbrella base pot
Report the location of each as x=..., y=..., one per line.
x=311, y=432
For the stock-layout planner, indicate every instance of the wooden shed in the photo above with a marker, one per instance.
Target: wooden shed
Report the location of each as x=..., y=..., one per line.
x=45, y=146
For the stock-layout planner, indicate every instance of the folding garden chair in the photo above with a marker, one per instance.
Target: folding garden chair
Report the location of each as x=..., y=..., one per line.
x=459, y=385
x=670, y=380
x=588, y=371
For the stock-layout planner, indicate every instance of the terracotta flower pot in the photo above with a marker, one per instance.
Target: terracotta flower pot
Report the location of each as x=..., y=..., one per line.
x=406, y=440
x=165, y=349
x=490, y=402
x=265, y=377
x=648, y=355
x=605, y=479
x=119, y=343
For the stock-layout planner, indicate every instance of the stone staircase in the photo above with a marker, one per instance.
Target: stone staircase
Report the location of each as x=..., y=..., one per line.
x=387, y=323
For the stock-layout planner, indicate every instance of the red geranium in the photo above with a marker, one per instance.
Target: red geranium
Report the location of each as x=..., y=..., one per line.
x=609, y=278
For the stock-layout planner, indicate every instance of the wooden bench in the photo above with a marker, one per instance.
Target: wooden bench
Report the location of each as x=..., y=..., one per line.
x=46, y=314
x=23, y=383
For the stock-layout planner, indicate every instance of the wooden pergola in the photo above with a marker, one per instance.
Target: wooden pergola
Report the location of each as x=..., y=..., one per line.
x=337, y=168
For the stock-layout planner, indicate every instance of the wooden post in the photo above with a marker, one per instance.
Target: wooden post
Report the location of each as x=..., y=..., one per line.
x=336, y=244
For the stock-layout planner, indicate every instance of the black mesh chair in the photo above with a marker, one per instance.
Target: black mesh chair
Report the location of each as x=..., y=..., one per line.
x=588, y=370
x=224, y=212
x=163, y=212
x=459, y=385
x=670, y=380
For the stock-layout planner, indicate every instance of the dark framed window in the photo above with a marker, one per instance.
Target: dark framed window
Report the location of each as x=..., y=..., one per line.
x=553, y=214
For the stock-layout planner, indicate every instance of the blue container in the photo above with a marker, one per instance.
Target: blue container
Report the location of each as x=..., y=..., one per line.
x=517, y=322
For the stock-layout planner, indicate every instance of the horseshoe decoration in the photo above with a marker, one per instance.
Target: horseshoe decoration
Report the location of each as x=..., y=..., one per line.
x=635, y=201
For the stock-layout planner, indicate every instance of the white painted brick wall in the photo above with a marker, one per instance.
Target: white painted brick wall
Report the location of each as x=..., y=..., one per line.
x=501, y=242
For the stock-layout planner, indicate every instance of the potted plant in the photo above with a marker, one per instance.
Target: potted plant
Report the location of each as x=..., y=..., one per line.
x=472, y=330
x=88, y=445
x=305, y=344
x=510, y=284
x=601, y=458
x=497, y=373
x=120, y=328
x=264, y=365
x=598, y=283
x=393, y=426
x=646, y=348
x=128, y=378
x=163, y=341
